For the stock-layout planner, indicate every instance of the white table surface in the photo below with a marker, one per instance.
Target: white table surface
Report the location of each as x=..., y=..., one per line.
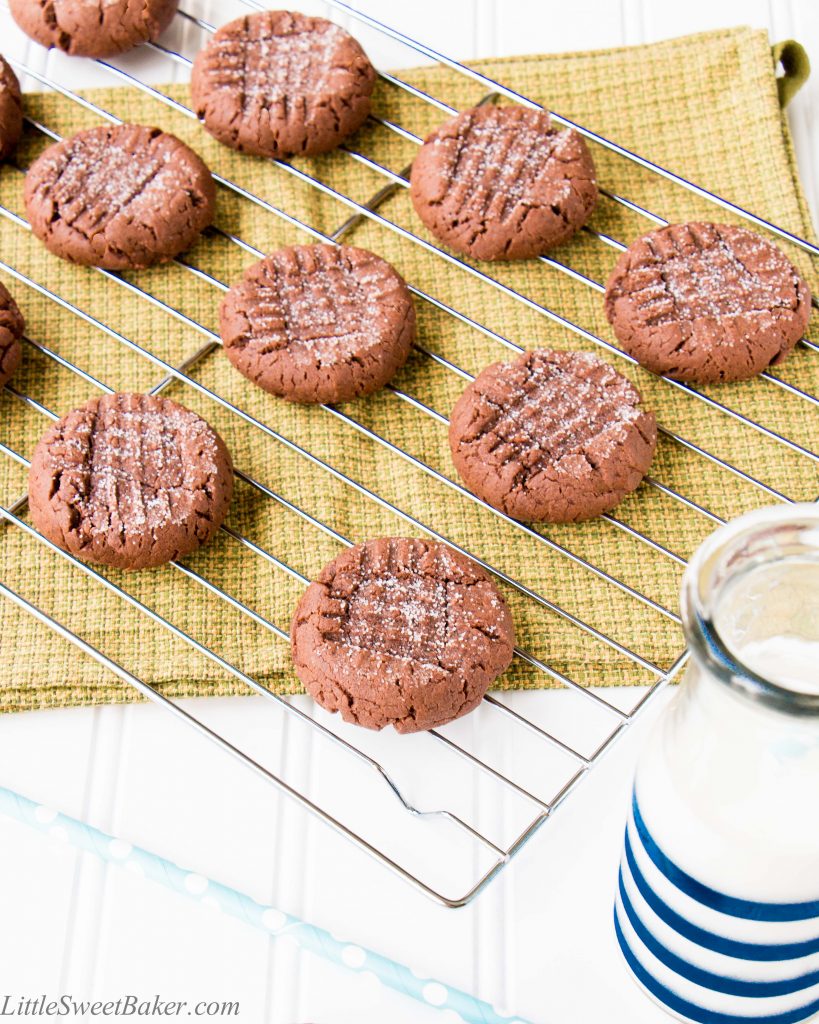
x=538, y=942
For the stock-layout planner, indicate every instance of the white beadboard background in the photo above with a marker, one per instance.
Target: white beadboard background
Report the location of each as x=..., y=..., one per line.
x=538, y=943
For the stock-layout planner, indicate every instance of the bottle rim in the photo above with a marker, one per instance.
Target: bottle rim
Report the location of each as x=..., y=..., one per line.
x=779, y=524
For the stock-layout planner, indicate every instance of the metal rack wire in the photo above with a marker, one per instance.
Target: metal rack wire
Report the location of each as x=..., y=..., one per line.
x=575, y=762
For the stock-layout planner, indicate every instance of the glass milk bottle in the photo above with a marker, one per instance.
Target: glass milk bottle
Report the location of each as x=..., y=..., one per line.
x=717, y=908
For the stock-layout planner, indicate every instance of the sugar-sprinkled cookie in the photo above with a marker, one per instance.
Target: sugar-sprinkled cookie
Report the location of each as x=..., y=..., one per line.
x=318, y=323
x=12, y=326
x=706, y=302
x=401, y=632
x=93, y=28
x=119, y=196
x=278, y=83
x=11, y=110
x=130, y=481
x=551, y=437
x=502, y=183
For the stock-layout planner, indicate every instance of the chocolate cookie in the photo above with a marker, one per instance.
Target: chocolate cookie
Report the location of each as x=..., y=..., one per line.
x=554, y=436
x=119, y=197
x=12, y=326
x=401, y=632
x=500, y=183
x=706, y=302
x=318, y=323
x=130, y=481
x=11, y=110
x=279, y=84
x=93, y=28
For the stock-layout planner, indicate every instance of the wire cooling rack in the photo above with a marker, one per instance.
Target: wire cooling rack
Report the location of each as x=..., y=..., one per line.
x=468, y=779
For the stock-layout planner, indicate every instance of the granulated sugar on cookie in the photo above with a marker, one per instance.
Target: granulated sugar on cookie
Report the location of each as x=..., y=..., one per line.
x=553, y=436
x=119, y=196
x=502, y=183
x=279, y=83
x=130, y=481
x=706, y=302
x=401, y=632
x=319, y=323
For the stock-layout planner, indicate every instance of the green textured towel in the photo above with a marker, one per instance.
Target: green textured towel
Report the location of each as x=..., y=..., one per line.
x=705, y=106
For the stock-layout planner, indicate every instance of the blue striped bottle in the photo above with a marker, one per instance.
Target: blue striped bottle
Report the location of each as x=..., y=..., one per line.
x=717, y=902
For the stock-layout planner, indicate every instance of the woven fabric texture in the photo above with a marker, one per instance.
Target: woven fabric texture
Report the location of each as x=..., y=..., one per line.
x=705, y=106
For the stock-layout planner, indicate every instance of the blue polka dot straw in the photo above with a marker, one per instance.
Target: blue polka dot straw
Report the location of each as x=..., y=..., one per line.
x=276, y=923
